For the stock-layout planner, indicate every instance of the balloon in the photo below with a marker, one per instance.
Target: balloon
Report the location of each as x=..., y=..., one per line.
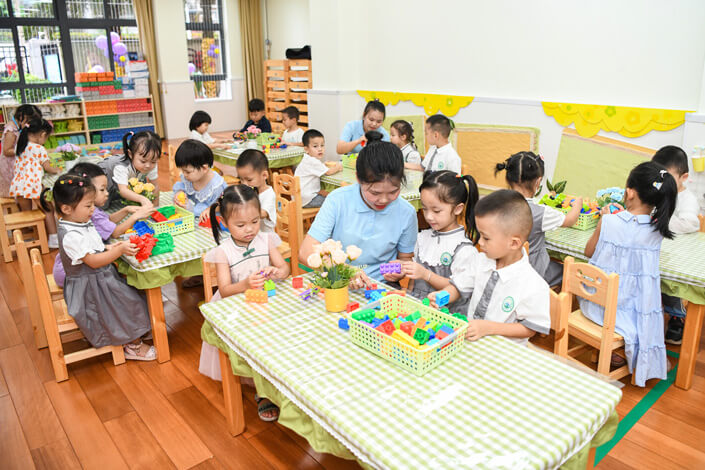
x=123, y=58
x=216, y=51
x=211, y=53
x=101, y=42
x=97, y=69
x=191, y=68
x=114, y=37
x=119, y=49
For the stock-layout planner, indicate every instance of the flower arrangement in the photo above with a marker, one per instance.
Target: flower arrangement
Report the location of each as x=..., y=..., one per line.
x=141, y=188
x=608, y=196
x=68, y=151
x=328, y=261
x=250, y=133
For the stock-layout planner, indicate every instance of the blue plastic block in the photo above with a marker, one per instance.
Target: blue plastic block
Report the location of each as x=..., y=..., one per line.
x=433, y=341
x=446, y=329
x=442, y=298
x=271, y=293
x=376, y=322
x=343, y=324
x=142, y=228
x=431, y=333
x=375, y=296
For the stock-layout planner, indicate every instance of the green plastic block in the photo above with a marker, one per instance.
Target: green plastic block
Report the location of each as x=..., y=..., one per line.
x=380, y=314
x=269, y=285
x=364, y=315
x=426, y=302
x=448, y=326
x=165, y=244
x=460, y=316
x=421, y=335
x=397, y=323
x=434, y=326
x=445, y=310
x=415, y=316
x=167, y=211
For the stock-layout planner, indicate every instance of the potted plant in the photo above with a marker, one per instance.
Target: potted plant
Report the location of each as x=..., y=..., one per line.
x=332, y=273
x=141, y=188
x=69, y=154
x=251, y=133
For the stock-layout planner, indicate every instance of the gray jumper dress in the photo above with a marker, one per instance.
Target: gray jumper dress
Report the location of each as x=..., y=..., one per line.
x=107, y=310
x=551, y=271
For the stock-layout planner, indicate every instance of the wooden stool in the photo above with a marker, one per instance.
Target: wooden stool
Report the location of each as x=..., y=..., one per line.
x=33, y=219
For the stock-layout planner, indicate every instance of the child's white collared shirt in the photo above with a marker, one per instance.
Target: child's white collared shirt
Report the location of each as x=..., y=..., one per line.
x=442, y=158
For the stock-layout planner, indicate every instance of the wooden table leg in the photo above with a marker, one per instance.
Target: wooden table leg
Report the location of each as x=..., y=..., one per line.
x=232, y=391
x=591, y=458
x=156, y=316
x=689, y=348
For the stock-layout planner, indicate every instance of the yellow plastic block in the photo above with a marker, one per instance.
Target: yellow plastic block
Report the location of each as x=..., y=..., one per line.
x=256, y=296
x=404, y=338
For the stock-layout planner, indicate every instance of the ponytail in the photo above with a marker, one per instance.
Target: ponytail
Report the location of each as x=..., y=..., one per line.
x=43, y=203
x=215, y=226
x=452, y=188
x=523, y=169
x=656, y=187
x=473, y=197
x=35, y=126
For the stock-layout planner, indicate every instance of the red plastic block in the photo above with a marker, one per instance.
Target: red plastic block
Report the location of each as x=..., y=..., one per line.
x=386, y=327
x=297, y=283
x=256, y=296
x=145, y=244
x=441, y=335
x=407, y=327
x=352, y=306
x=158, y=217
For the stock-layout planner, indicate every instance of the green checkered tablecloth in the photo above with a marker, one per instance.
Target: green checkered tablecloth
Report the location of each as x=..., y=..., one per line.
x=278, y=158
x=409, y=192
x=682, y=259
x=494, y=404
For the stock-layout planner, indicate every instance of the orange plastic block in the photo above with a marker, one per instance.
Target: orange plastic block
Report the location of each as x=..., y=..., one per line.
x=256, y=296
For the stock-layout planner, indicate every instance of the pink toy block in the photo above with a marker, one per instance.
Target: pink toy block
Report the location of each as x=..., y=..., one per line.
x=297, y=282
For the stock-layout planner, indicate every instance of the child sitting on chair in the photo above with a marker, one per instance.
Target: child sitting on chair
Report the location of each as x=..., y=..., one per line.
x=311, y=168
x=509, y=298
x=257, y=116
x=293, y=134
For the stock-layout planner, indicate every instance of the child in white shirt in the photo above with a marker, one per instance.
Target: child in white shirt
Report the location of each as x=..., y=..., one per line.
x=402, y=135
x=510, y=298
x=293, y=135
x=311, y=168
x=252, y=168
x=198, y=125
x=684, y=220
x=441, y=154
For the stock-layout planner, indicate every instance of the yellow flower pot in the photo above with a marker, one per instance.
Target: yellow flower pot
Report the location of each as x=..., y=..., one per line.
x=336, y=299
x=698, y=164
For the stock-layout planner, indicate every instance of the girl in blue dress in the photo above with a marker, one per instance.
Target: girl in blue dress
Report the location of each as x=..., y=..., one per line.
x=629, y=243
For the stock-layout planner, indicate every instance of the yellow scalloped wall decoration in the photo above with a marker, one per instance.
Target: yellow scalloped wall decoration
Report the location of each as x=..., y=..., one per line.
x=629, y=122
x=432, y=104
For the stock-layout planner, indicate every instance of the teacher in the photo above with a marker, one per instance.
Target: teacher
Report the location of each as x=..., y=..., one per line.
x=353, y=136
x=369, y=214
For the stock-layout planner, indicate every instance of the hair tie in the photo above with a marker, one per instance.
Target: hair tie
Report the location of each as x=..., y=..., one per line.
x=80, y=183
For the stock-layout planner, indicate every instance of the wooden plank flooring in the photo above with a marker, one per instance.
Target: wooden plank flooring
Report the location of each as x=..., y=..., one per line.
x=150, y=415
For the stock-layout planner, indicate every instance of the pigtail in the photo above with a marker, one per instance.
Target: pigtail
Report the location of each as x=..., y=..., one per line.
x=126, y=144
x=655, y=187
x=215, y=226
x=43, y=203
x=666, y=205
x=473, y=195
x=500, y=167
x=22, y=141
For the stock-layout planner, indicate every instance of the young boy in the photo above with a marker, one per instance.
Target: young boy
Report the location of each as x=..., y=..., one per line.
x=441, y=154
x=198, y=125
x=293, y=134
x=509, y=298
x=683, y=220
x=312, y=168
x=252, y=166
x=257, y=117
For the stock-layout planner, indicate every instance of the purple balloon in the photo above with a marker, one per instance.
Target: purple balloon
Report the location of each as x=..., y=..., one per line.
x=101, y=42
x=119, y=49
x=191, y=68
x=114, y=37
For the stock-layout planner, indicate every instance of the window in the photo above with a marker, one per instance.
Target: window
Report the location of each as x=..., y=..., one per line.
x=206, y=48
x=44, y=42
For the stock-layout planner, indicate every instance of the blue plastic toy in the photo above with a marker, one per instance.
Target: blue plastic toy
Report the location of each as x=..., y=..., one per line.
x=343, y=324
x=142, y=228
x=442, y=298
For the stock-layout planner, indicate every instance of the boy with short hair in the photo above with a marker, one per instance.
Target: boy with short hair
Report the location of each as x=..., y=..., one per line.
x=509, y=297
x=293, y=134
x=257, y=117
x=311, y=168
x=683, y=220
x=441, y=154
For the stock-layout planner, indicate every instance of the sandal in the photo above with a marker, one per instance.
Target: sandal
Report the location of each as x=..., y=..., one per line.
x=132, y=352
x=193, y=281
x=264, y=406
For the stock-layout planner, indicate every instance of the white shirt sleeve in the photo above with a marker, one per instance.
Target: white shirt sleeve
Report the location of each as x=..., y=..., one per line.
x=121, y=174
x=454, y=163
x=465, y=260
x=414, y=157
x=465, y=280
x=533, y=310
x=685, y=217
x=268, y=202
x=76, y=246
x=552, y=219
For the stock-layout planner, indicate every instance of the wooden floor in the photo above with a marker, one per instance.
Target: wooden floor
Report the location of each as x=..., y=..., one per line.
x=150, y=415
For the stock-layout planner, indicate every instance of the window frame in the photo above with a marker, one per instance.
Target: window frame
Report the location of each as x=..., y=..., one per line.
x=207, y=25
x=65, y=25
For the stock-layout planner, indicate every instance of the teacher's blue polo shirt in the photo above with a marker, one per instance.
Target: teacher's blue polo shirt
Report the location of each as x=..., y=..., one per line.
x=353, y=130
x=381, y=235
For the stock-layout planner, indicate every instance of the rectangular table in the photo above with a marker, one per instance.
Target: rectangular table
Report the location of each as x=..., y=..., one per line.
x=493, y=404
x=278, y=158
x=682, y=267
x=409, y=192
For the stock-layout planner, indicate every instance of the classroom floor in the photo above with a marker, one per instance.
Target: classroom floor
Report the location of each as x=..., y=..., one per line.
x=150, y=415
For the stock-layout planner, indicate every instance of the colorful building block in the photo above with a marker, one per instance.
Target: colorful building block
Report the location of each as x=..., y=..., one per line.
x=364, y=315
x=271, y=292
x=374, y=296
x=397, y=323
x=445, y=310
x=442, y=298
x=407, y=327
x=432, y=342
x=297, y=283
x=157, y=217
x=426, y=302
x=142, y=228
x=440, y=335
x=343, y=324
x=460, y=316
x=421, y=336
x=390, y=268
x=386, y=327
x=351, y=306
x=269, y=285
x=405, y=338
x=431, y=333
x=414, y=317
x=256, y=296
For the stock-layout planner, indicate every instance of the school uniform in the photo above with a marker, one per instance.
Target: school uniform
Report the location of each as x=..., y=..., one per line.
x=119, y=170
x=685, y=217
x=545, y=219
x=442, y=158
x=268, y=203
x=294, y=137
x=512, y=294
x=411, y=155
x=353, y=130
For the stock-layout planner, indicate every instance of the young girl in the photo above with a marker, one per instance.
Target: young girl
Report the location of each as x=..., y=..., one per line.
x=10, y=133
x=106, y=309
x=629, y=243
x=142, y=152
x=107, y=226
x=244, y=260
x=252, y=166
x=198, y=125
x=524, y=174
x=402, y=135
x=201, y=185
x=31, y=163
x=444, y=251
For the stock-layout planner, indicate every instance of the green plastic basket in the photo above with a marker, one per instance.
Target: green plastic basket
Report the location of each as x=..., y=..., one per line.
x=587, y=221
x=415, y=360
x=349, y=161
x=183, y=224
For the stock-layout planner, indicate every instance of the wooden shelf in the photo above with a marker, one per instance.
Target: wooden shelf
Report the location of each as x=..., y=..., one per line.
x=120, y=99
x=62, y=118
x=83, y=131
x=285, y=84
x=119, y=113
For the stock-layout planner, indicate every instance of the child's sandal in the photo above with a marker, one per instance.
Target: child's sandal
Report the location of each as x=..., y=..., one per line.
x=132, y=352
x=263, y=408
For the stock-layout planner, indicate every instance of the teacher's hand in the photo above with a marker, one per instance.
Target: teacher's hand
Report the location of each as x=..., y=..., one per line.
x=360, y=280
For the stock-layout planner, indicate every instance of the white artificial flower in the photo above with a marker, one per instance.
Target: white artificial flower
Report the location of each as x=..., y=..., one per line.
x=339, y=257
x=314, y=260
x=353, y=252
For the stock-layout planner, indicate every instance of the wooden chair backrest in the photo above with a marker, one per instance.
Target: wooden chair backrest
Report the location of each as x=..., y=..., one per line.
x=577, y=277
x=560, y=310
x=701, y=218
x=210, y=279
x=173, y=170
x=29, y=287
x=46, y=306
x=289, y=214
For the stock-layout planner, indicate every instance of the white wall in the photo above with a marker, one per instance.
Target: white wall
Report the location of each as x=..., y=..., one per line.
x=178, y=99
x=286, y=24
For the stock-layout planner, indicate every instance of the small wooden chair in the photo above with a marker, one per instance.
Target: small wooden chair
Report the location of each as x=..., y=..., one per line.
x=57, y=322
x=173, y=169
x=33, y=219
x=701, y=218
x=560, y=311
x=290, y=187
x=8, y=205
x=576, y=278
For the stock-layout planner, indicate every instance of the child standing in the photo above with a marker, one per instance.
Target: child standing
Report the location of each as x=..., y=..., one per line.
x=201, y=185
x=142, y=152
x=31, y=163
x=293, y=135
x=524, y=174
x=10, y=133
x=244, y=260
x=444, y=251
x=257, y=116
x=402, y=135
x=510, y=298
x=252, y=168
x=198, y=125
x=105, y=308
x=107, y=226
x=629, y=243
x=441, y=154
x=311, y=168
